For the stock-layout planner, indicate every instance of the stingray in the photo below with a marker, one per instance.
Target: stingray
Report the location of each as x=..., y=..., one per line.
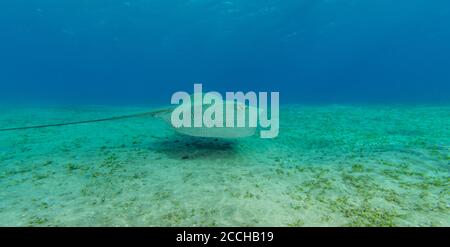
x=165, y=114
x=217, y=132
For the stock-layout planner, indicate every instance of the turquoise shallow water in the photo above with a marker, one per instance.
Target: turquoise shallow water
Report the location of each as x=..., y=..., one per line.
x=330, y=166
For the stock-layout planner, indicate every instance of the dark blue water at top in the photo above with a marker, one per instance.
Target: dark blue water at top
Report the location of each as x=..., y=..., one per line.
x=141, y=51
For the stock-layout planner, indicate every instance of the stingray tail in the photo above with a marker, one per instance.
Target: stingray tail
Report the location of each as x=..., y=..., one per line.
x=145, y=114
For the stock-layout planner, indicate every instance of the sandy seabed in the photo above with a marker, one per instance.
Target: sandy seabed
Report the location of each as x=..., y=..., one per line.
x=333, y=165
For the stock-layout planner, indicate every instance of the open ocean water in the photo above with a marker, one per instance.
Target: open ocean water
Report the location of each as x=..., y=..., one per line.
x=364, y=118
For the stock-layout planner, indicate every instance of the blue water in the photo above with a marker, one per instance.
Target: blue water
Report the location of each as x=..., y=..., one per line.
x=141, y=51
x=337, y=161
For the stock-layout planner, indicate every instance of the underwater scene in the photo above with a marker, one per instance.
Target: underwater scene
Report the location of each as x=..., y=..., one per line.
x=364, y=113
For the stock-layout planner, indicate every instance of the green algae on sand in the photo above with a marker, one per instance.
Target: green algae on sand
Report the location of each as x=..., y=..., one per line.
x=330, y=166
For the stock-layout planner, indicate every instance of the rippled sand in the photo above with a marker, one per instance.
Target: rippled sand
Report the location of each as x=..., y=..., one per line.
x=330, y=166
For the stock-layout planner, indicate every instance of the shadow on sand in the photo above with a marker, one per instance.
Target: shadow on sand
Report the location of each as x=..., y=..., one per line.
x=183, y=147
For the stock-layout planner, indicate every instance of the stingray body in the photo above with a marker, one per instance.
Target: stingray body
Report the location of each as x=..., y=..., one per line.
x=217, y=132
x=165, y=114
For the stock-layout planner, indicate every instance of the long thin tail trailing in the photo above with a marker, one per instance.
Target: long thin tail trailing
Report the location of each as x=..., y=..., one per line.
x=145, y=114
